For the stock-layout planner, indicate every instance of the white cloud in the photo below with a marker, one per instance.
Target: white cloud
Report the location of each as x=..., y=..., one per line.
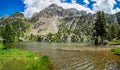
x=33, y=6
x=86, y=1
x=116, y=10
x=105, y=5
x=73, y=1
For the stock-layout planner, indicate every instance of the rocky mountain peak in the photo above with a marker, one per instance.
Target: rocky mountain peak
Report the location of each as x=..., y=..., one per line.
x=52, y=10
x=53, y=5
x=55, y=10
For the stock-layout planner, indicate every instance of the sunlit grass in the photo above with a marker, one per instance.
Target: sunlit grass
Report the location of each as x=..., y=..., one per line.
x=16, y=59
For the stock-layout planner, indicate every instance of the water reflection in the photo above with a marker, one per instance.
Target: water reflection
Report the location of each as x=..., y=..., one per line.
x=73, y=56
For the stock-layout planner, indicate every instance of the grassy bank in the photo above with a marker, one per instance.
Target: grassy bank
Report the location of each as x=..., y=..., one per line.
x=116, y=51
x=16, y=59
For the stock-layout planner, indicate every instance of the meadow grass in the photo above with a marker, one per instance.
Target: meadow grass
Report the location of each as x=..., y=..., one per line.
x=17, y=59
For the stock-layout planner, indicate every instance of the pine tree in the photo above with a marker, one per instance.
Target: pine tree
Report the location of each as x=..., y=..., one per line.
x=100, y=25
x=9, y=36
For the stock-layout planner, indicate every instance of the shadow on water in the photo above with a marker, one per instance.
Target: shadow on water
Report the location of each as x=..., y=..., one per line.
x=73, y=56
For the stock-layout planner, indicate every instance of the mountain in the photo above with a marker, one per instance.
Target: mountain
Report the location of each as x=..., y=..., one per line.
x=48, y=20
x=53, y=10
x=66, y=23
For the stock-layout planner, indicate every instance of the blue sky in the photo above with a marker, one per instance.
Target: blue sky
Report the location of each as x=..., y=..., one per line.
x=29, y=7
x=8, y=7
